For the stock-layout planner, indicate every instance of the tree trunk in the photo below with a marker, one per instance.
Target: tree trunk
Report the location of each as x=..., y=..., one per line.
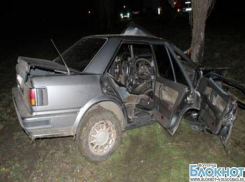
x=200, y=10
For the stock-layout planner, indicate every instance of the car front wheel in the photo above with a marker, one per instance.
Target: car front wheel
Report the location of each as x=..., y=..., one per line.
x=99, y=135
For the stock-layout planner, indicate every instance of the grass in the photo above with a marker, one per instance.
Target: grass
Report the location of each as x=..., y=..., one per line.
x=159, y=157
x=145, y=154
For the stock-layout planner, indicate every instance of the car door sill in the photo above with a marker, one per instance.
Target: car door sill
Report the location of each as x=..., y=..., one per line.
x=140, y=122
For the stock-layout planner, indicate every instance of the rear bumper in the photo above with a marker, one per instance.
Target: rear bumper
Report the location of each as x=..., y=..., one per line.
x=40, y=125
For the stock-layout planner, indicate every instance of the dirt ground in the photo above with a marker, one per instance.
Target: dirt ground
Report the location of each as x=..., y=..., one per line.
x=145, y=154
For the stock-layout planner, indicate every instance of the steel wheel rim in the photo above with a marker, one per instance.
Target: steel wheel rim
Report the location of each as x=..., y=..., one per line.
x=102, y=137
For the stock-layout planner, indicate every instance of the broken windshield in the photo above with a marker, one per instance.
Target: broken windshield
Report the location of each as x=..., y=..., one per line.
x=81, y=53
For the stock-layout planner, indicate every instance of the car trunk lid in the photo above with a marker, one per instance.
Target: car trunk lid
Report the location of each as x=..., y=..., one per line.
x=26, y=68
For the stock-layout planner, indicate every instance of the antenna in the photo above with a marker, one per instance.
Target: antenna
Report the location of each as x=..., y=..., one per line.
x=68, y=71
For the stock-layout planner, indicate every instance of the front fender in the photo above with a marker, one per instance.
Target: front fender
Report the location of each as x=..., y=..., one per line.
x=181, y=112
x=177, y=118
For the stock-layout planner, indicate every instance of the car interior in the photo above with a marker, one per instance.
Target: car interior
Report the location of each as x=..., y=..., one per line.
x=131, y=73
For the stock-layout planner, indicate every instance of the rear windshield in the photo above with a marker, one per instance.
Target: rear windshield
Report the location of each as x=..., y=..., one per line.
x=81, y=53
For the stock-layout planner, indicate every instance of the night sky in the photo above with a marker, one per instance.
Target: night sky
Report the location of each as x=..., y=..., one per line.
x=42, y=14
x=26, y=29
x=24, y=11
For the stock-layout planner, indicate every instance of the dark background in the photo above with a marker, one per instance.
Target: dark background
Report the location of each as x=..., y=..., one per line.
x=41, y=16
x=146, y=154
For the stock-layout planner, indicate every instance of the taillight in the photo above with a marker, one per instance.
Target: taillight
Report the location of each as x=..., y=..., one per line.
x=32, y=98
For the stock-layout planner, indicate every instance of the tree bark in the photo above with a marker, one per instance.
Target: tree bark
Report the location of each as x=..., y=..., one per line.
x=200, y=11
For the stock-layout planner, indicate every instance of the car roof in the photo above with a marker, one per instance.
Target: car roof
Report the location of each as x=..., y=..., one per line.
x=133, y=32
x=128, y=37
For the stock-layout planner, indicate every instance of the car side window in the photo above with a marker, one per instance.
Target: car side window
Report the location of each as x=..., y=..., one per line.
x=180, y=78
x=163, y=62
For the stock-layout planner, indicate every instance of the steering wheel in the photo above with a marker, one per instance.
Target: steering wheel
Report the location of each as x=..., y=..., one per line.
x=142, y=71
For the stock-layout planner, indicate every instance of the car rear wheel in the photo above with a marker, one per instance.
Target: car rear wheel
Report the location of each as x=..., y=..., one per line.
x=99, y=135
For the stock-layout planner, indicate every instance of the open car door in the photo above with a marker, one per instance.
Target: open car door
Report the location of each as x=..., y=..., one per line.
x=170, y=94
x=217, y=108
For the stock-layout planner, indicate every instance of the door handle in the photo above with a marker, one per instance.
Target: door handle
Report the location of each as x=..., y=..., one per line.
x=161, y=88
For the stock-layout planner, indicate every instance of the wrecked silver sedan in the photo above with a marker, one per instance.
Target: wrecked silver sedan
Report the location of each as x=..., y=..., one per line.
x=106, y=84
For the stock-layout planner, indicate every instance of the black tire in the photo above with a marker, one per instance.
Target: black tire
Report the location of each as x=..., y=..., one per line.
x=93, y=120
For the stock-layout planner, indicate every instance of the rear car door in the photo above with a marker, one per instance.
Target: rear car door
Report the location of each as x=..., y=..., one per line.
x=171, y=88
